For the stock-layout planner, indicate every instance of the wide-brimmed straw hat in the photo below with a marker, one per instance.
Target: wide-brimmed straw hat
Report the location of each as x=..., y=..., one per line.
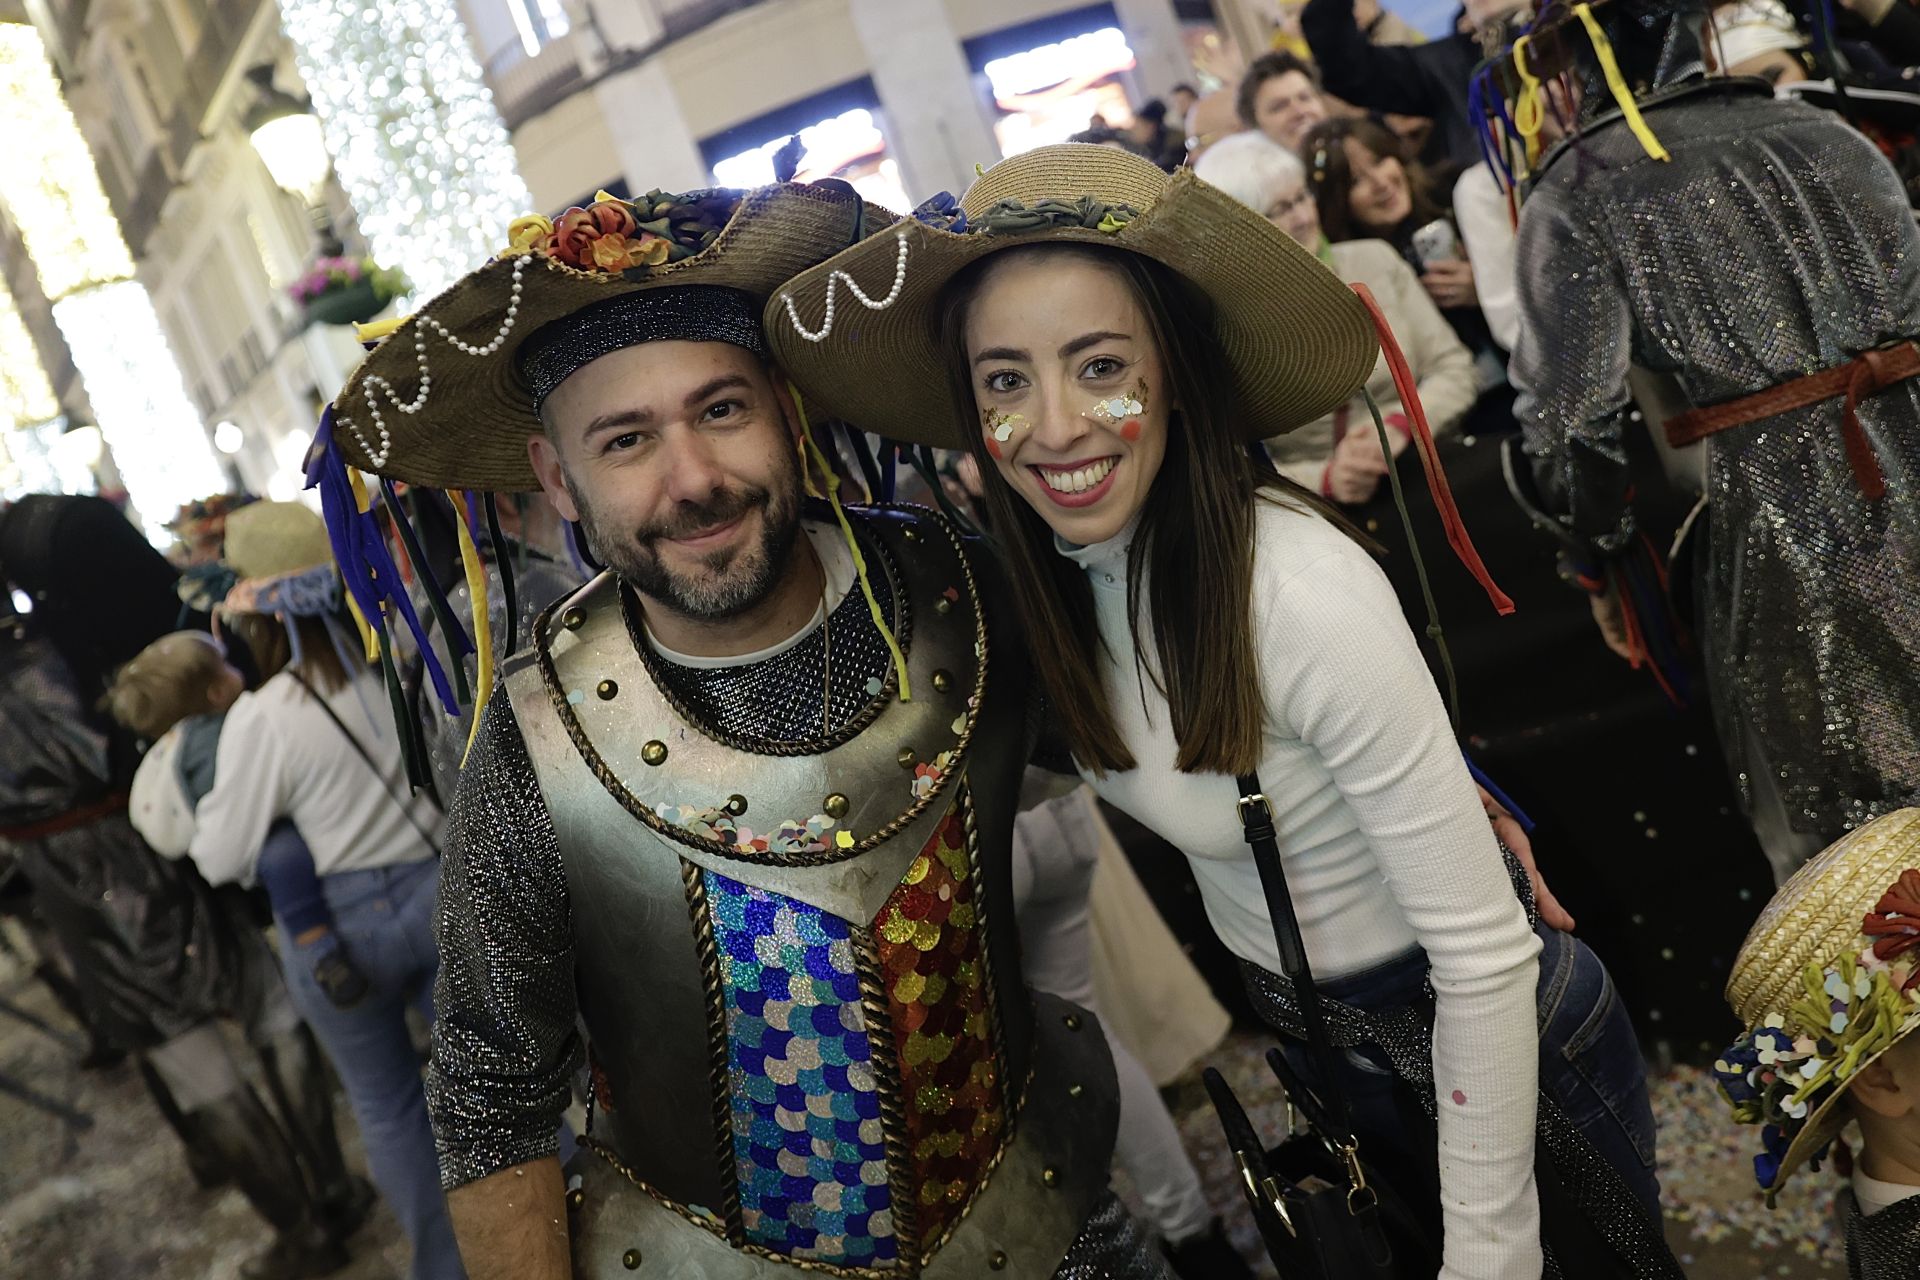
x=442, y=401
x=1827, y=981
x=281, y=560
x=859, y=332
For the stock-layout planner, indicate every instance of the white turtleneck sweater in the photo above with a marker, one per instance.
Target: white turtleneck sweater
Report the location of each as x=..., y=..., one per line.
x=1383, y=839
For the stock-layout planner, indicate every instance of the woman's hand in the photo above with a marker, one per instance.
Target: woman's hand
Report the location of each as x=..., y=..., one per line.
x=1355, y=470
x=1514, y=836
x=1612, y=620
x=1450, y=284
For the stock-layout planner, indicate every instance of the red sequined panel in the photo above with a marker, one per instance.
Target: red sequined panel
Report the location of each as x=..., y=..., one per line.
x=928, y=937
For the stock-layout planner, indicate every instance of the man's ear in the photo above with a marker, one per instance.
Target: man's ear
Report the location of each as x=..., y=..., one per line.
x=1877, y=1088
x=545, y=457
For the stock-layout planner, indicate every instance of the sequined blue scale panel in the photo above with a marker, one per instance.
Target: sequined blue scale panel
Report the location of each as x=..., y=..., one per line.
x=806, y=1115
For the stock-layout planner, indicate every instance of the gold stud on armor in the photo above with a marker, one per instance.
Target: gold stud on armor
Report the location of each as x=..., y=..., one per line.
x=576, y=1198
x=1075, y=1090
x=654, y=752
x=1050, y=1176
x=837, y=805
x=942, y=681
x=906, y=758
x=607, y=690
x=943, y=605
x=630, y=1259
x=998, y=1261
x=737, y=805
x=573, y=619
x=1073, y=1021
x=911, y=533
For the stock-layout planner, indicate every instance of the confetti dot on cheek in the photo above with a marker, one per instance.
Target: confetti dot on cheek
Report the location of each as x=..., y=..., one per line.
x=1131, y=431
x=1459, y=1098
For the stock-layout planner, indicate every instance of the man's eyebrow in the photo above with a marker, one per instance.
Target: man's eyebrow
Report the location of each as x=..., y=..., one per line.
x=1002, y=353
x=619, y=418
x=707, y=390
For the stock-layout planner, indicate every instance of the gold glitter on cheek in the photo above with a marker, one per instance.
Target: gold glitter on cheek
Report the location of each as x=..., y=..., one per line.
x=1000, y=428
x=1122, y=410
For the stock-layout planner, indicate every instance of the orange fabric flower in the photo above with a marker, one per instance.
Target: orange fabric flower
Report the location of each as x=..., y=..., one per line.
x=578, y=230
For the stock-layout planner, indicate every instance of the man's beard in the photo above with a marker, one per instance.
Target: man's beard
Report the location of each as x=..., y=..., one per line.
x=729, y=581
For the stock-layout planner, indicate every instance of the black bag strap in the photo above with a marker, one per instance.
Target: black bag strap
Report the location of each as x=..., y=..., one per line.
x=1256, y=826
x=372, y=765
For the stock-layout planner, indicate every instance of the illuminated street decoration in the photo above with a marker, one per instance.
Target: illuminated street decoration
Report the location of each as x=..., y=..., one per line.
x=26, y=397
x=416, y=140
x=52, y=191
x=1049, y=93
x=850, y=145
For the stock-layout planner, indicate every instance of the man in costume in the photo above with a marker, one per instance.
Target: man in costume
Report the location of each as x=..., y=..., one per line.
x=743, y=807
x=1762, y=257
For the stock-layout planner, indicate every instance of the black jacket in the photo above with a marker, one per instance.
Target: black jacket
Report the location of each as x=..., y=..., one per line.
x=1414, y=80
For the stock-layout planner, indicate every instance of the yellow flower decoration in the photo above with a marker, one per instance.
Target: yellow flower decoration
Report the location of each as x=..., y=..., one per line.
x=1110, y=224
x=526, y=232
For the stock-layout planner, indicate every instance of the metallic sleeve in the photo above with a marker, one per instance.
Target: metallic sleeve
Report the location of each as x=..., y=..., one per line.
x=505, y=1042
x=1570, y=369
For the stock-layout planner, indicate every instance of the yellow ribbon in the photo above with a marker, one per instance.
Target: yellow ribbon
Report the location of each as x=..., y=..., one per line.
x=1618, y=85
x=853, y=544
x=363, y=504
x=377, y=329
x=482, y=621
x=1530, y=112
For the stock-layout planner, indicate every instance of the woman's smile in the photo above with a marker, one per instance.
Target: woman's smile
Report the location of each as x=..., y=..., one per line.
x=1077, y=484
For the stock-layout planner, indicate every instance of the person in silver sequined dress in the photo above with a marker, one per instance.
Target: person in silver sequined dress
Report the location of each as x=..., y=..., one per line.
x=1747, y=243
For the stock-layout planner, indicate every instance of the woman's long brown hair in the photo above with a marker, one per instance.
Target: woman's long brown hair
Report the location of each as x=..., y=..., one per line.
x=1193, y=548
x=1330, y=178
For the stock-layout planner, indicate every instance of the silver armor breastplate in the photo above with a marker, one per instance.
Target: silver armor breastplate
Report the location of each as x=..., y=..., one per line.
x=810, y=1043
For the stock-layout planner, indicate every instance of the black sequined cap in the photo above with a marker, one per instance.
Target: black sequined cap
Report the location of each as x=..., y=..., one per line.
x=686, y=313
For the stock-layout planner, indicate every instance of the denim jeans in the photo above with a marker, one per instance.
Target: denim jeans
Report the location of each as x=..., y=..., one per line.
x=1590, y=1066
x=384, y=916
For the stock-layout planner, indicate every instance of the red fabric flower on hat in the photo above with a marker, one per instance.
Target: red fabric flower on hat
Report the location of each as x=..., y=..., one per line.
x=1894, y=922
x=574, y=235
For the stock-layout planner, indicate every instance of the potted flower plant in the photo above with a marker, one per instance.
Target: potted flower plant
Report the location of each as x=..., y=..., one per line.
x=346, y=290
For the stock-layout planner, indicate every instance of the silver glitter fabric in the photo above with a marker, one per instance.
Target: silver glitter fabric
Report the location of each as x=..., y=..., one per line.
x=780, y=699
x=1590, y=1186
x=1885, y=1246
x=1111, y=1247
x=1775, y=243
x=504, y=1040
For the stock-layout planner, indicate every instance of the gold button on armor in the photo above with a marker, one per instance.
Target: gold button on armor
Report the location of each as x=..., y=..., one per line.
x=1073, y=1021
x=911, y=533
x=837, y=805
x=630, y=1259
x=942, y=681
x=1075, y=1090
x=654, y=752
x=943, y=605
x=576, y=1198
x=906, y=758
x=998, y=1261
x=607, y=689
x=573, y=619
x=737, y=805
x=1050, y=1176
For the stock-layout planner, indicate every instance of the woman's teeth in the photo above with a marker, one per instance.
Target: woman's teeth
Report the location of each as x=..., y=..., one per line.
x=1077, y=481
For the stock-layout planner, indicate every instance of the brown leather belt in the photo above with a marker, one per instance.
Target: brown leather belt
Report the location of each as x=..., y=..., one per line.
x=1857, y=379
x=85, y=814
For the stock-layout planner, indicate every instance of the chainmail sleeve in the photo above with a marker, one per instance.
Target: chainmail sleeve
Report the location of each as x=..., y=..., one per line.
x=1570, y=369
x=504, y=1039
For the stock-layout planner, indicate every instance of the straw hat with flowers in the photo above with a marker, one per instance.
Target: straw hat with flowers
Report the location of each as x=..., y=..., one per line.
x=444, y=400
x=860, y=331
x=1827, y=981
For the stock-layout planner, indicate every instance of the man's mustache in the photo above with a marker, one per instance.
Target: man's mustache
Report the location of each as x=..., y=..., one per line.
x=691, y=518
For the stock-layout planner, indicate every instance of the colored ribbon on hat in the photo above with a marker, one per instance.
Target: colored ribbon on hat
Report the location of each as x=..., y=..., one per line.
x=1409, y=392
x=1529, y=112
x=467, y=520
x=828, y=474
x=1617, y=84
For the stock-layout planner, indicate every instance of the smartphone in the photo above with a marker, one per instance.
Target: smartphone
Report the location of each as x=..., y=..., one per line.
x=1436, y=242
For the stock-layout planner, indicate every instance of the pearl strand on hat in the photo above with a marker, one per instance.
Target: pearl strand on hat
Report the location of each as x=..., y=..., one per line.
x=377, y=458
x=826, y=325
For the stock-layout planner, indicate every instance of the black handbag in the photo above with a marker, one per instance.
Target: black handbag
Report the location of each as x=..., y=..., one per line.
x=1324, y=1211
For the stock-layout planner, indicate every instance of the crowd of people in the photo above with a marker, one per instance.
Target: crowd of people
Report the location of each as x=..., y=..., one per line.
x=690, y=767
